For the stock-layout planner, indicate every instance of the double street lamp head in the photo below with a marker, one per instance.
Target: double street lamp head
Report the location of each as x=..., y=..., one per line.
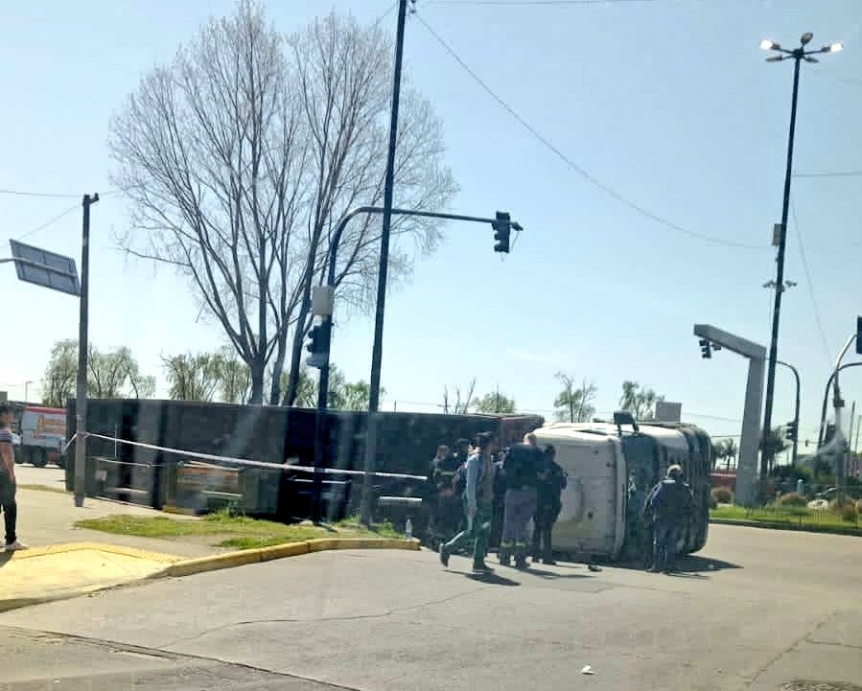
x=798, y=53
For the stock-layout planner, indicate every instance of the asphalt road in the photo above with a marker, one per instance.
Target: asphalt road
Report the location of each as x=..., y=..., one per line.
x=757, y=610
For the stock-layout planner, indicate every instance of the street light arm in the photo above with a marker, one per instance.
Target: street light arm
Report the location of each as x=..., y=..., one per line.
x=829, y=381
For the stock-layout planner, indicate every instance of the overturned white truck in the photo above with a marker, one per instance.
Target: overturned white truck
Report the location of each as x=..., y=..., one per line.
x=611, y=470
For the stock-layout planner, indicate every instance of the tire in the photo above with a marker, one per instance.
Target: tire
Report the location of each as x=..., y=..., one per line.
x=40, y=458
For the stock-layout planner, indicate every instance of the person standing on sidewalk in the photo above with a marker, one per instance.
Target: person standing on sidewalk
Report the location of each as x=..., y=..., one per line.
x=478, y=500
x=7, y=479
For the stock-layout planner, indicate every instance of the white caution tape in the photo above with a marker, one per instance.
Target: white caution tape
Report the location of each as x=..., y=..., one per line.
x=247, y=462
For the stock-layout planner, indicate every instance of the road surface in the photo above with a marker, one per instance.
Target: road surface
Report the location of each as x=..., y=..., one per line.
x=757, y=610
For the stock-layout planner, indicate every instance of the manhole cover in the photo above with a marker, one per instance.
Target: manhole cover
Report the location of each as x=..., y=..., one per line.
x=820, y=686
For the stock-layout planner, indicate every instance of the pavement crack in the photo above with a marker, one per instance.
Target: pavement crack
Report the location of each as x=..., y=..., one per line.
x=306, y=620
x=775, y=658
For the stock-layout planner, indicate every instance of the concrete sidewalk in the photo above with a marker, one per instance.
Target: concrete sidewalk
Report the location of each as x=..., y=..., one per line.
x=64, y=561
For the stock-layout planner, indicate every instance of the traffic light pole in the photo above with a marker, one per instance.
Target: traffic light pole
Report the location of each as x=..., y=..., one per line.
x=796, y=414
x=326, y=332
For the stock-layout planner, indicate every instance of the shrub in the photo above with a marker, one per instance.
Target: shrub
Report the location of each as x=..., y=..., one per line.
x=848, y=510
x=792, y=499
x=721, y=495
x=713, y=504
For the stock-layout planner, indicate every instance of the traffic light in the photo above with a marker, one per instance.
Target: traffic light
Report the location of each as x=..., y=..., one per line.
x=859, y=335
x=316, y=347
x=502, y=230
x=790, y=430
x=705, y=348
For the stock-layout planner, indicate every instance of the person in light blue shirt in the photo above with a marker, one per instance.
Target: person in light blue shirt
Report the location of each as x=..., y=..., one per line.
x=478, y=503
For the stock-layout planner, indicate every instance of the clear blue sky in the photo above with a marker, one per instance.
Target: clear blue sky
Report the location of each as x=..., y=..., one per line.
x=668, y=102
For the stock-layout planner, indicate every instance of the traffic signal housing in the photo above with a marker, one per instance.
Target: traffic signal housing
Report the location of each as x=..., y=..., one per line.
x=502, y=232
x=317, y=347
x=790, y=430
x=705, y=348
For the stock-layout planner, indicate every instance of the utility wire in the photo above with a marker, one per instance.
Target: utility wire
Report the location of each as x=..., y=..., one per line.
x=835, y=174
x=810, y=283
x=574, y=166
x=21, y=193
x=48, y=223
x=536, y=3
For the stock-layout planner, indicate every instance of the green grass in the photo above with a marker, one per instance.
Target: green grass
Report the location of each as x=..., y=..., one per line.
x=227, y=530
x=789, y=516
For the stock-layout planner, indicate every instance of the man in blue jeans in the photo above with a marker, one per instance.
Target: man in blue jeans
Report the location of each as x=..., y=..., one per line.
x=478, y=503
x=668, y=504
x=7, y=479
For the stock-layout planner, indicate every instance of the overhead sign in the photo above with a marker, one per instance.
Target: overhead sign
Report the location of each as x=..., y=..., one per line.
x=46, y=269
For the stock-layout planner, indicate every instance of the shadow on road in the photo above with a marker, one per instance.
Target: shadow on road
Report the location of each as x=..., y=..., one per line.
x=550, y=575
x=5, y=557
x=695, y=565
x=491, y=579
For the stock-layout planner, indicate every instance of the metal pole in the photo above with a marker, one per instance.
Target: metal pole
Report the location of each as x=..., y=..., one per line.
x=832, y=377
x=83, y=346
x=377, y=350
x=858, y=426
x=796, y=413
x=779, y=275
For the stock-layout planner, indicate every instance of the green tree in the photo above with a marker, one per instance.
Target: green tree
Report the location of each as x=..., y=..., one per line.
x=345, y=395
x=59, y=381
x=112, y=374
x=773, y=444
x=193, y=377
x=574, y=402
x=495, y=403
x=638, y=401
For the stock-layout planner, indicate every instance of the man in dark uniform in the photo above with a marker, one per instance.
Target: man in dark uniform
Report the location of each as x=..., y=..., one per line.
x=552, y=482
x=667, y=505
x=521, y=469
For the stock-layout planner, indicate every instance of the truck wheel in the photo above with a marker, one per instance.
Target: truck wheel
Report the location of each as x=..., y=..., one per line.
x=40, y=458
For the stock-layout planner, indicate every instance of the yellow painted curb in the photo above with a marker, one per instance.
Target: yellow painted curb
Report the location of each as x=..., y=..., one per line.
x=244, y=557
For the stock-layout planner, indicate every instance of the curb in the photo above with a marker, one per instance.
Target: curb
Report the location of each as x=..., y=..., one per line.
x=178, y=567
x=188, y=567
x=825, y=530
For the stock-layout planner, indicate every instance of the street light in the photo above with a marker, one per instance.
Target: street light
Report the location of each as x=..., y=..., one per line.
x=797, y=55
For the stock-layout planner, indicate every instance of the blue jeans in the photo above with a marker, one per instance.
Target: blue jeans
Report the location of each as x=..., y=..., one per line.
x=664, y=545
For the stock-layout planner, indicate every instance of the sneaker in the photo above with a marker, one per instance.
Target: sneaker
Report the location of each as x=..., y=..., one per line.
x=444, y=556
x=15, y=546
x=482, y=568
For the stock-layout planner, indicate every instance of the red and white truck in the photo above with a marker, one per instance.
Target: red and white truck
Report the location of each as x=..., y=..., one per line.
x=43, y=435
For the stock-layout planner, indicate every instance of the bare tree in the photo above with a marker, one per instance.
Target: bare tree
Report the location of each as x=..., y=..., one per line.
x=240, y=157
x=344, y=75
x=461, y=405
x=574, y=403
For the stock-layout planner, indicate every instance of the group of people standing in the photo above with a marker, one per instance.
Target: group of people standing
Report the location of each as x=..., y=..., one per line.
x=524, y=484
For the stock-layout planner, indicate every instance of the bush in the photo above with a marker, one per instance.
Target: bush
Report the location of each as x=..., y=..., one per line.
x=721, y=495
x=848, y=510
x=713, y=504
x=792, y=499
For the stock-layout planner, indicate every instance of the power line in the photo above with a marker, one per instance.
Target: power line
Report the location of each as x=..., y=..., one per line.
x=48, y=223
x=536, y=3
x=809, y=282
x=574, y=166
x=835, y=174
x=21, y=193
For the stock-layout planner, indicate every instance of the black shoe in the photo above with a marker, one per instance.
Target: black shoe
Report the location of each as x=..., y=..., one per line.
x=521, y=563
x=482, y=568
x=444, y=556
x=549, y=562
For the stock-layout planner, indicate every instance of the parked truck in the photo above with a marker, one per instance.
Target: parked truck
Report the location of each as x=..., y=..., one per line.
x=43, y=435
